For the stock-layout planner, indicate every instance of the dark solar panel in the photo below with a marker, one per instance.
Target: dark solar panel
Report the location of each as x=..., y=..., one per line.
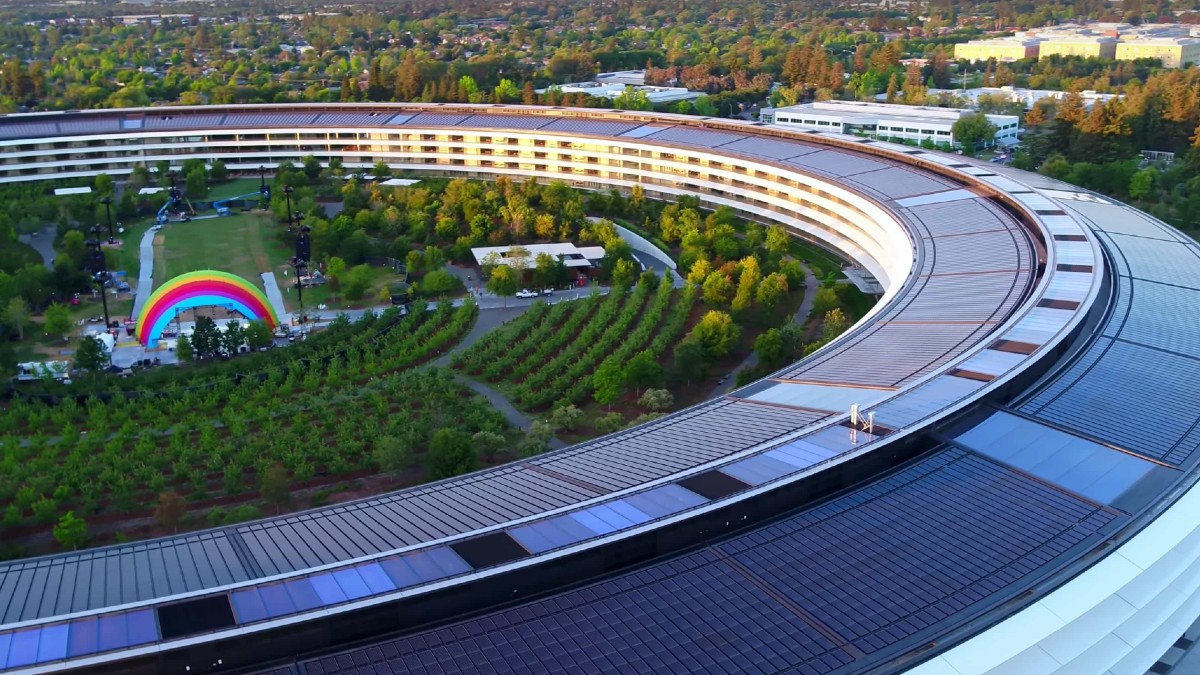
x=911, y=549
x=914, y=548
x=489, y=550
x=691, y=615
x=713, y=484
x=192, y=617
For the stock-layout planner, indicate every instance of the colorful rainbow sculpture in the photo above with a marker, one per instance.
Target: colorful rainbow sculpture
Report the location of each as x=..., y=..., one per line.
x=201, y=289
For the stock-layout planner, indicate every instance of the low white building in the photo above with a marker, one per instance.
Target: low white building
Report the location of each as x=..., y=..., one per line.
x=1026, y=97
x=911, y=123
x=611, y=90
x=572, y=256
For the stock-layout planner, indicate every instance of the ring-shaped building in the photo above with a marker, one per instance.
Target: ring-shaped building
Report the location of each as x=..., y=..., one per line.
x=1024, y=502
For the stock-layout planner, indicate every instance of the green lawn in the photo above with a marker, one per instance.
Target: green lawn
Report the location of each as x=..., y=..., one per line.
x=232, y=188
x=240, y=244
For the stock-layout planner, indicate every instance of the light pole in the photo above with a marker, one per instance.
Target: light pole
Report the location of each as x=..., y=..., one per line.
x=99, y=269
x=301, y=267
x=264, y=192
x=107, y=202
x=287, y=193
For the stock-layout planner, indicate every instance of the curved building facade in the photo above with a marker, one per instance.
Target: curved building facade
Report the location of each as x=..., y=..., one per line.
x=1021, y=504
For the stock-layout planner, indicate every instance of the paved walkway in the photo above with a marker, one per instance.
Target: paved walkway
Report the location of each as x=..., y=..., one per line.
x=811, y=284
x=273, y=294
x=145, y=272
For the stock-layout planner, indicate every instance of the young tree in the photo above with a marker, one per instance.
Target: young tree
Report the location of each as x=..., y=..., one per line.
x=275, y=486
x=623, y=273
x=656, y=400
x=607, y=381
x=393, y=454
x=449, y=454
x=717, y=289
x=70, y=532
x=206, y=338
x=335, y=271
x=218, y=171
x=358, y=280
x=258, y=335
x=502, y=282
x=103, y=185
x=772, y=290
x=690, y=360
x=769, y=347
x=196, y=182
x=825, y=300
x=17, y=316
x=1142, y=183
x=834, y=325
x=184, y=349
x=716, y=333
x=642, y=371
x=58, y=320
x=777, y=240
x=170, y=510
x=487, y=444
x=747, y=283
x=233, y=338
x=566, y=417
x=92, y=355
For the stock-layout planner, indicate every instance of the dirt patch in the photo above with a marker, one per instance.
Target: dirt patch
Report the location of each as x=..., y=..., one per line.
x=160, y=256
x=257, y=250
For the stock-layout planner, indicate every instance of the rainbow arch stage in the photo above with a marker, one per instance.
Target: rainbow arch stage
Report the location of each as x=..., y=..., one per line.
x=201, y=288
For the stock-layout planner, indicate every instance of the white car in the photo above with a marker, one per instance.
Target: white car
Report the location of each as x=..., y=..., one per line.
x=526, y=293
x=547, y=291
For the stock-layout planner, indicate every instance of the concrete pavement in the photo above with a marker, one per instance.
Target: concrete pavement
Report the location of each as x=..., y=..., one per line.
x=43, y=243
x=272, y=289
x=145, y=283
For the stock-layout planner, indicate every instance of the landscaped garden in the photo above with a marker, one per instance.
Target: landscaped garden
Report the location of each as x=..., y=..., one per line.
x=344, y=405
x=357, y=409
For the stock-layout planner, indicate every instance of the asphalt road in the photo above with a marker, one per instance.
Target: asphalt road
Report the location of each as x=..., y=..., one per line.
x=43, y=243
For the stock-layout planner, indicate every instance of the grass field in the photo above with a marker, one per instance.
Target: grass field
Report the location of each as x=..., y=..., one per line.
x=232, y=188
x=236, y=244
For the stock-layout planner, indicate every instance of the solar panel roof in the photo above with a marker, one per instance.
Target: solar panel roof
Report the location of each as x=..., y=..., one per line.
x=780, y=598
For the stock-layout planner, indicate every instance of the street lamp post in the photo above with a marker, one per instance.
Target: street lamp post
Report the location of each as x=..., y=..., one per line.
x=107, y=202
x=287, y=193
x=301, y=267
x=99, y=269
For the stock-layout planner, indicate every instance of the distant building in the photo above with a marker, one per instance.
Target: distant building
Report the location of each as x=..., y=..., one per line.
x=1174, y=52
x=911, y=123
x=1026, y=97
x=1002, y=49
x=583, y=260
x=1095, y=46
x=611, y=90
x=636, y=78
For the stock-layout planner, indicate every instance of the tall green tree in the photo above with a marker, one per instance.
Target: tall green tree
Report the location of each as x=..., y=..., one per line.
x=607, y=381
x=17, y=317
x=70, y=532
x=91, y=355
x=58, y=320
x=450, y=454
x=972, y=130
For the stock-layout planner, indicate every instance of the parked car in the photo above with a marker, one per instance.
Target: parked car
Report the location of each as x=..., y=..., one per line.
x=526, y=293
x=547, y=291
